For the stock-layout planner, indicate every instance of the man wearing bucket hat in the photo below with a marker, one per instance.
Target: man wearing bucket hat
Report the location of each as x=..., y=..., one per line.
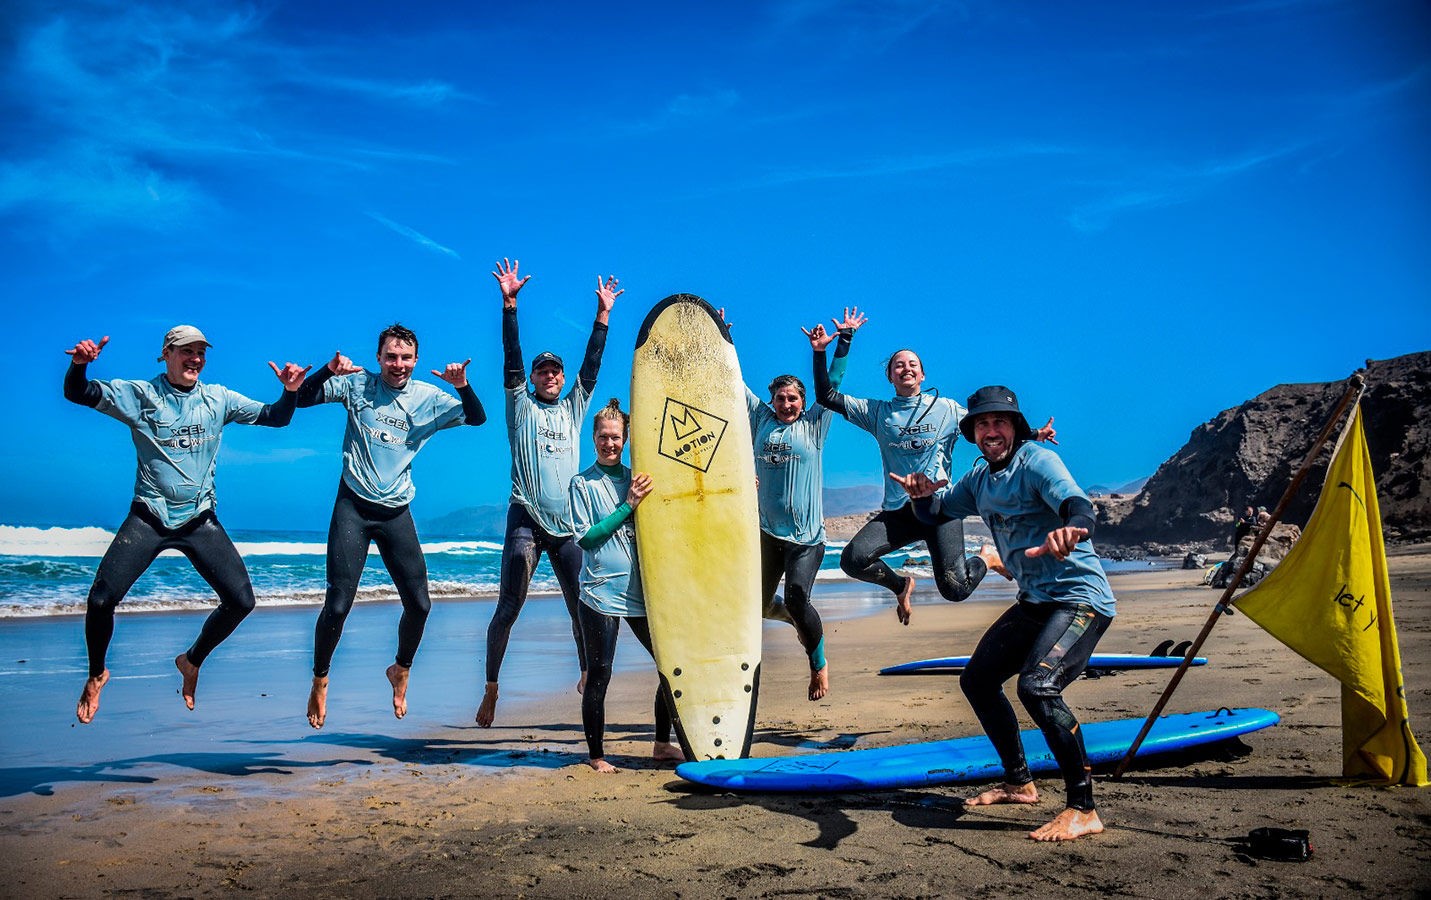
x=175, y=421
x=1041, y=521
x=543, y=429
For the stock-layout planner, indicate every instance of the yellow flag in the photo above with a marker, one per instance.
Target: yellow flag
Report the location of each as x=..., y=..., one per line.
x=1330, y=600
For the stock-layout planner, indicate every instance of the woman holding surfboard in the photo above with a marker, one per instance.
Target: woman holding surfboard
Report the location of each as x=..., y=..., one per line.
x=603, y=498
x=789, y=439
x=916, y=433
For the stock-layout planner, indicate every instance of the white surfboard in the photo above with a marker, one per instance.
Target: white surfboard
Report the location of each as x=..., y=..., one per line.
x=698, y=532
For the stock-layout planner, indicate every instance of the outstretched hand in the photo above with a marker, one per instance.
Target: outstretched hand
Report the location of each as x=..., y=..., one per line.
x=819, y=337
x=291, y=374
x=640, y=488
x=918, y=484
x=87, y=351
x=342, y=365
x=455, y=374
x=1046, y=433
x=507, y=279
x=1059, y=543
x=852, y=321
x=607, y=293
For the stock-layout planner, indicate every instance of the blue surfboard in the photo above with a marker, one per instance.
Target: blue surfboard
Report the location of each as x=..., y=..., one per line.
x=964, y=759
x=1099, y=662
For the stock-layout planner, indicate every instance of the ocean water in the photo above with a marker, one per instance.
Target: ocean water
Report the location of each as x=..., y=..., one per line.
x=47, y=571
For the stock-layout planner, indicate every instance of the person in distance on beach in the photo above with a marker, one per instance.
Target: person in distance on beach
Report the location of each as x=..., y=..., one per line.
x=544, y=430
x=604, y=498
x=390, y=418
x=1041, y=521
x=916, y=433
x=789, y=439
x=176, y=422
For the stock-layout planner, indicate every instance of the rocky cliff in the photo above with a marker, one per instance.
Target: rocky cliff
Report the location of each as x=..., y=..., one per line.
x=1247, y=456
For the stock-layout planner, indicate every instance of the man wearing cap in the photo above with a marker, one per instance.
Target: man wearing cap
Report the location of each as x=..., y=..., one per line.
x=175, y=421
x=390, y=418
x=543, y=428
x=1041, y=521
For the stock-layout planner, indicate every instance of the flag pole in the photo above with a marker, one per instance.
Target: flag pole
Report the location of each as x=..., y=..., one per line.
x=1355, y=386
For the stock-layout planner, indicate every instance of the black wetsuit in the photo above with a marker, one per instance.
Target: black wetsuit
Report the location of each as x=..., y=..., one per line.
x=525, y=539
x=1047, y=645
x=355, y=524
x=955, y=575
x=142, y=537
x=599, y=633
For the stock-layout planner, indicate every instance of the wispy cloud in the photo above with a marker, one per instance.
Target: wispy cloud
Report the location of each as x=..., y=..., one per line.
x=856, y=25
x=895, y=166
x=121, y=112
x=1172, y=187
x=415, y=236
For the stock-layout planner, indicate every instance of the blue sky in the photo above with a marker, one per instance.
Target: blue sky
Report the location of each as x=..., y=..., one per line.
x=1136, y=215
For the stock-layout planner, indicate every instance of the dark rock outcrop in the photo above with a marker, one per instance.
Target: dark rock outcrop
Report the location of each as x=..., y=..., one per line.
x=1247, y=456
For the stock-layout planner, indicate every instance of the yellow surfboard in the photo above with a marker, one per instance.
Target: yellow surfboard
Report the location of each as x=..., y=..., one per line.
x=698, y=531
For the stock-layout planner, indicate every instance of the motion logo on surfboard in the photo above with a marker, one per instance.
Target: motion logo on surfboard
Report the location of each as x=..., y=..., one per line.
x=689, y=435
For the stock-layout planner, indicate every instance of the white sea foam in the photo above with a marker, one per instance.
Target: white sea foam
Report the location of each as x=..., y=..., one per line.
x=92, y=541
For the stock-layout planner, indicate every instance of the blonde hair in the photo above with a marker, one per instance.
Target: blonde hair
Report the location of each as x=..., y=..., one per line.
x=612, y=412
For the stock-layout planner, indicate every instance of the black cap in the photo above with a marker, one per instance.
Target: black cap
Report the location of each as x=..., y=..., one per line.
x=546, y=356
x=995, y=398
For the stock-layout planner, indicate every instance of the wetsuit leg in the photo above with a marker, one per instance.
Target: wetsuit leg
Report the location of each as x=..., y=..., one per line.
x=772, y=567
x=642, y=629
x=401, y=551
x=218, y=562
x=955, y=575
x=348, y=539
x=519, y=560
x=598, y=631
x=1059, y=655
x=861, y=556
x=135, y=545
x=1002, y=653
x=802, y=563
x=564, y=553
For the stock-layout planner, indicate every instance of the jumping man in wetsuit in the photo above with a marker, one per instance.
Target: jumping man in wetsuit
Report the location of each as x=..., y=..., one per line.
x=543, y=428
x=390, y=417
x=1041, y=521
x=176, y=422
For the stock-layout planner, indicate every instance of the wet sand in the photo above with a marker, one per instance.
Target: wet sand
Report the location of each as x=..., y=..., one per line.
x=179, y=804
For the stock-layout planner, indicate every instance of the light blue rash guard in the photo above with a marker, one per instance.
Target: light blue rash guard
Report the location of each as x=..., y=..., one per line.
x=176, y=437
x=915, y=434
x=545, y=455
x=1020, y=504
x=610, y=574
x=386, y=428
x=788, y=465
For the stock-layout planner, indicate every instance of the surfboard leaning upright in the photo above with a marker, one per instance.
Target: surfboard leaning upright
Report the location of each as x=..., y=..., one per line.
x=698, y=531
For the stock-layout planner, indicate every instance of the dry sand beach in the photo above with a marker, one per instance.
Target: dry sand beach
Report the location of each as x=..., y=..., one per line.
x=426, y=809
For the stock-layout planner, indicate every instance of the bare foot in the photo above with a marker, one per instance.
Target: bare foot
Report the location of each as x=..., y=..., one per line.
x=1069, y=824
x=903, y=605
x=89, y=697
x=487, y=710
x=190, y=673
x=665, y=751
x=397, y=677
x=318, y=702
x=1005, y=793
x=581, y=683
x=602, y=766
x=820, y=682
x=993, y=561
